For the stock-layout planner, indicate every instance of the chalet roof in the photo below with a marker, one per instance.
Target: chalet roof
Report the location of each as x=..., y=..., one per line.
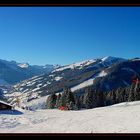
x=5, y=103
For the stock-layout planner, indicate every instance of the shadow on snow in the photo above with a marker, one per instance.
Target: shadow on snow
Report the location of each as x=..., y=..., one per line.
x=11, y=112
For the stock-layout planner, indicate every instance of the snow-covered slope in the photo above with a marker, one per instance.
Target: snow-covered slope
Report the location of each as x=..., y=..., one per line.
x=89, y=81
x=119, y=118
x=78, y=65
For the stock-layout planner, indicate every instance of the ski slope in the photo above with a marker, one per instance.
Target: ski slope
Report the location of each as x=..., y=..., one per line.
x=119, y=118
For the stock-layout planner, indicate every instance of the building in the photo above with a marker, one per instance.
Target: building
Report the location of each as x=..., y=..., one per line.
x=5, y=106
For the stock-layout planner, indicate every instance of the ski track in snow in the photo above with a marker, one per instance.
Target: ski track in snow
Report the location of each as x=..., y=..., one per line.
x=119, y=118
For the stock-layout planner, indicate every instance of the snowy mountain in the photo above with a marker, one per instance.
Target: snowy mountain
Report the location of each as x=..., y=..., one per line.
x=23, y=65
x=77, y=76
x=12, y=72
x=119, y=118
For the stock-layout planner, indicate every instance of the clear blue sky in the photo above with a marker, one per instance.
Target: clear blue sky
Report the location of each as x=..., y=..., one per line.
x=63, y=35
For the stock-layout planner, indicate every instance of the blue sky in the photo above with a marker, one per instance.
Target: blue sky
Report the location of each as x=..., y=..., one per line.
x=64, y=35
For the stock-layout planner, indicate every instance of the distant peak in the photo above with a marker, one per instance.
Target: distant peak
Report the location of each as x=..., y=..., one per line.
x=23, y=65
x=109, y=58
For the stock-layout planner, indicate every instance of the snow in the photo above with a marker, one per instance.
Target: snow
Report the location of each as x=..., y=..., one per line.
x=37, y=103
x=89, y=81
x=119, y=118
x=14, y=94
x=44, y=85
x=31, y=84
x=108, y=58
x=105, y=58
x=48, y=82
x=58, y=93
x=35, y=89
x=102, y=73
x=34, y=77
x=25, y=90
x=21, y=89
x=5, y=91
x=75, y=65
x=58, y=78
x=136, y=59
x=23, y=84
x=39, y=78
x=39, y=85
x=28, y=83
x=83, y=84
x=24, y=65
x=5, y=103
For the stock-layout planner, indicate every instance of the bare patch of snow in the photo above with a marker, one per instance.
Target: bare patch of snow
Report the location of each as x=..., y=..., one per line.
x=44, y=85
x=35, y=89
x=39, y=85
x=58, y=78
x=105, y=58
x=102, y=73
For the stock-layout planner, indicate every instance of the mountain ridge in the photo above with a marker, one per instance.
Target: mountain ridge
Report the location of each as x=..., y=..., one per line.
x=13, y=72
x=76, y=76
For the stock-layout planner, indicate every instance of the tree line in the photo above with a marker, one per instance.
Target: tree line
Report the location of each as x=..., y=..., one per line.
x=93, y=98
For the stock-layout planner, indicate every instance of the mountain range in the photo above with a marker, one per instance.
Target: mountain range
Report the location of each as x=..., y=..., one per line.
x=12, y=72
x=105, y=73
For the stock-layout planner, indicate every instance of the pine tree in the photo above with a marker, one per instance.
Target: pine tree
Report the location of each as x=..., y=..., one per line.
x=77, y=103
x=117, y=93
x=126, y=96
x=100, y=99
x=58, y=101
x=70, y=96
x=123, y=95
x=71, y=105
x=81, y=100
x=110, y=97
x=51, y=101
x=113, y=97
x=131, y=93
x=63, y=98
x=67, y=99
x=95, y=98
x=88, y=98
x=137, y=92
x=70, y=99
